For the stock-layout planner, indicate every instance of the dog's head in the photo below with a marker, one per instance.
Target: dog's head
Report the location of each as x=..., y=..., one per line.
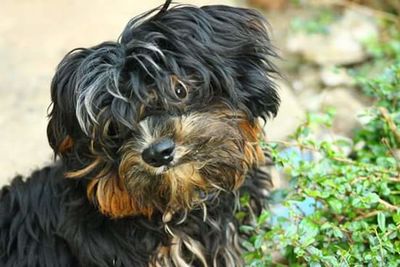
x=167, y=116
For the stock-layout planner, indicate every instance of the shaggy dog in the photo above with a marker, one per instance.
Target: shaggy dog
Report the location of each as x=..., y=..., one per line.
x=156, y=139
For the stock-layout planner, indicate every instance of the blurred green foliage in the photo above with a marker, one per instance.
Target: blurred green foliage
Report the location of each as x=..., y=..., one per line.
x=318, y=23
x=352, y=185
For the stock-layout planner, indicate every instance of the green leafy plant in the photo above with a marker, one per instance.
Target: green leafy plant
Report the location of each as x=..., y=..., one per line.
x=343, y=204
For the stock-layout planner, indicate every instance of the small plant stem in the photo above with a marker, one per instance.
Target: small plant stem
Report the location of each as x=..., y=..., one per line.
x=367, y=215
x=388, y=205
x=391, y=232
x=390, y=122
x=380, y=247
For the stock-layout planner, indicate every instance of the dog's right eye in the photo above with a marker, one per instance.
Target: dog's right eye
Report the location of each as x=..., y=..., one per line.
x=180, y=91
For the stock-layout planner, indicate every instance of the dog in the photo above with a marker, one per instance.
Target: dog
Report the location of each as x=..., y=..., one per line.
x=156, y=139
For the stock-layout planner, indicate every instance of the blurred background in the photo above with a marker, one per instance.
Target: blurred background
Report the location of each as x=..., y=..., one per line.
x=317, y=40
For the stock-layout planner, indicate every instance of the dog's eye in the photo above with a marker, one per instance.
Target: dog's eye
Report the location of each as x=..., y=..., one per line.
x=180, y=91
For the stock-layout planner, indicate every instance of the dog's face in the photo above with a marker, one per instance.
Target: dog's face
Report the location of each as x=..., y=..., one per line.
x=166, y=117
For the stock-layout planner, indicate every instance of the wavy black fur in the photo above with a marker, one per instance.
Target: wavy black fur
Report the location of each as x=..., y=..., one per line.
x=48, y=221
x=222, y=54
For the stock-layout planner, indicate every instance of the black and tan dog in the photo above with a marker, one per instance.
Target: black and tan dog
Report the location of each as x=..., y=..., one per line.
x=157, y=138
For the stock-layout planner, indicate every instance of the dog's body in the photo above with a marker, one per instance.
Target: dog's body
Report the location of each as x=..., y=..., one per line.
x=48, y=221
x=157, y=136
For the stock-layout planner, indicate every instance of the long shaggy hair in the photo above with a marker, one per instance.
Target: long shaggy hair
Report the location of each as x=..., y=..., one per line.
x=196, y=80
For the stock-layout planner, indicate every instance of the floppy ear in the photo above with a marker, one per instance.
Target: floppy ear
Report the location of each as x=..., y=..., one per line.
x=242, y=41
x=63, y=126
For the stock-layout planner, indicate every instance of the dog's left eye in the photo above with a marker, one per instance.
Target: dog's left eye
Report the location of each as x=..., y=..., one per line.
x=180, y=91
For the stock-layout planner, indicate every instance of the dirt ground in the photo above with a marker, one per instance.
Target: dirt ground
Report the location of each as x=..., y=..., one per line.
x=35, y=34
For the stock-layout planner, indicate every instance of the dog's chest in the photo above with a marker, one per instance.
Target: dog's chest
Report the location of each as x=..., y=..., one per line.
x=212, y=248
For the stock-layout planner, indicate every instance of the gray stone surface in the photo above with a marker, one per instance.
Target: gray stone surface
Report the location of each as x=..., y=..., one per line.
x=348, y=107
x=342, y=45
x=290, y=115
x=332, y=77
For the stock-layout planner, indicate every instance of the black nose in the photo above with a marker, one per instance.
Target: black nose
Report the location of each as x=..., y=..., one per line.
x=159, y=153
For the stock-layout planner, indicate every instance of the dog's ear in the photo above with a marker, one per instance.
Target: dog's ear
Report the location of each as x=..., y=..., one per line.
x=62, y=126
x=243, y=43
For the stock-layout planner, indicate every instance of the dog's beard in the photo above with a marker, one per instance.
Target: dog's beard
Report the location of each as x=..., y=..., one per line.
x=213, y=153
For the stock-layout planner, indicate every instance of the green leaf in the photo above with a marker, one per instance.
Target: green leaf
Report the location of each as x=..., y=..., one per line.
x=312, y=193
x=278, y=195
x=248, y=245
x=396, y=217
x=308, y=231
x=246, y=228
x=381, y=221
x=263, y=217
x=372, y=198
x=336, y=205
x=258, y=241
